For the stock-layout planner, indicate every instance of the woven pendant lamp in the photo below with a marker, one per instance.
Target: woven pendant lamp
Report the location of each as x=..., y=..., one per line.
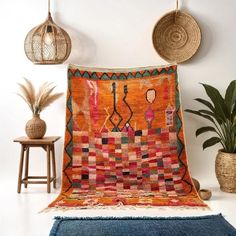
x=47, y=43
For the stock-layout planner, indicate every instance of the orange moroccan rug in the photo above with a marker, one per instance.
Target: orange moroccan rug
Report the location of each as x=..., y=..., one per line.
x=124, y=140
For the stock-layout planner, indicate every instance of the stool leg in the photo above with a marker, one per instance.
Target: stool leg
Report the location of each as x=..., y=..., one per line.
x=27, y=166
x=21, y=168
x=48, y=169
x=53, y=166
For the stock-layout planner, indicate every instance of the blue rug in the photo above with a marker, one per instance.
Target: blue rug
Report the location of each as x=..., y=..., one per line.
x=214, y=225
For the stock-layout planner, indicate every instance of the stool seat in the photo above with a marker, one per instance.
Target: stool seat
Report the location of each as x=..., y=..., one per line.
x=47, y=143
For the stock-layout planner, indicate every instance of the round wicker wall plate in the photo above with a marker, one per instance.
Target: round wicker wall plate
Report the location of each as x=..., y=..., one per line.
x=176, y=36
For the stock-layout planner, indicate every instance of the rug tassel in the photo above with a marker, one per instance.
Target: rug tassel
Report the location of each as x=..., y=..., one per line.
x=121, y=206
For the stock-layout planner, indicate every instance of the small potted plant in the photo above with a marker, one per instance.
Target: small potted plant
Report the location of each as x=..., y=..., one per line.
x=221, y=112
x=37, y=102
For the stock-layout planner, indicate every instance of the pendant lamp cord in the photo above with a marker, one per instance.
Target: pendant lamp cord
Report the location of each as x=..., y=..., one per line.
x=48, y=6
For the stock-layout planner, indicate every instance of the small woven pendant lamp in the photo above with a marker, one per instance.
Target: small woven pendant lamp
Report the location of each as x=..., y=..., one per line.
x=47, y=43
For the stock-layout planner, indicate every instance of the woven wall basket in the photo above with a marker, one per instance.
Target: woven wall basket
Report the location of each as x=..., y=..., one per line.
x=176, y=36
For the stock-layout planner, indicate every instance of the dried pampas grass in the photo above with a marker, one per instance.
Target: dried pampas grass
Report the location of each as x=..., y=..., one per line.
x=40, y=100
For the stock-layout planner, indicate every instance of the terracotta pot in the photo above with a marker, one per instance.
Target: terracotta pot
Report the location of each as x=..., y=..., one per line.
x=196, y=184
x=205, y=194
x=225, y=168
x=35, y=128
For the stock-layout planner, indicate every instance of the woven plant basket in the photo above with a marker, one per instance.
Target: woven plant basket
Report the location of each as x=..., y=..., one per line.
x=176, y=36
x=225, y=167
x=35, y=128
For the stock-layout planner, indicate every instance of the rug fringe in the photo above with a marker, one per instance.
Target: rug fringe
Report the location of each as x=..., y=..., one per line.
x=123, y=207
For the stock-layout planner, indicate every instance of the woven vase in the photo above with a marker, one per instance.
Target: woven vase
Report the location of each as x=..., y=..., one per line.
x=35, y=128
x=225, y=167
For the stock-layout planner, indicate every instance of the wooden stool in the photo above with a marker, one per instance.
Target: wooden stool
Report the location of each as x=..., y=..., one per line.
x=47, y=143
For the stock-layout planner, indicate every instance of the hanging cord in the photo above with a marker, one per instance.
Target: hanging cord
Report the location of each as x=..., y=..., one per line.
x=177, y=5
x=177, y=8
x=49, y=13
x=48, y=6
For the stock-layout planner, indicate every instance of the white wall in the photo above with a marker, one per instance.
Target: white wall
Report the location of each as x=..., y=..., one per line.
x=109, y=33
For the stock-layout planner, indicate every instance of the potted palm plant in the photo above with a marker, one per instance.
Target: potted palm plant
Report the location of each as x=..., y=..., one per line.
x=37, y=101
x=221, y=112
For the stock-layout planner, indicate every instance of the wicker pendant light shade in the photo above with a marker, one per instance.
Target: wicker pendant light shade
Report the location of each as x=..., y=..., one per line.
x=47, y=43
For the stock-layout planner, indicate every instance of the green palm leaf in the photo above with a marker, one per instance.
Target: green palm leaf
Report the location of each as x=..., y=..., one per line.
x=230, y=95
x=212, y=114
x=205, y=129
x=206, y=103
x=222, y=113
x=210, y=142
x=200, y=114
x=218, y=101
